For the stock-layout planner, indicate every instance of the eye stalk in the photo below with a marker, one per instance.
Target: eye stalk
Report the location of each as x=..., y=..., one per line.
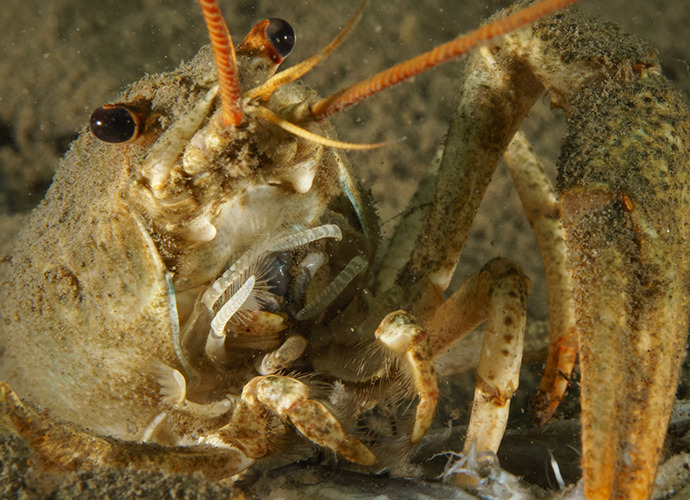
x=270, y=40
x=116, y=124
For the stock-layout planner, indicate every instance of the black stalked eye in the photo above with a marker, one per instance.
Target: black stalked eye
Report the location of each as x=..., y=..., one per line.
x=281, y=35
x=114, y=124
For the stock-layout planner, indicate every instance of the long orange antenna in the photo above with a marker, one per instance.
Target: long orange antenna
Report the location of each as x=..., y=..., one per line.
x=226, y=63
x=412, y=67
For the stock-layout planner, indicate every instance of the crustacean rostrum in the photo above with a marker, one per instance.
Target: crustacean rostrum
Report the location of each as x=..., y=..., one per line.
x=201, y=283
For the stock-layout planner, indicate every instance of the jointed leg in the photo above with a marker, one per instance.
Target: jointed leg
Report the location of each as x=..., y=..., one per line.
x=498, y=371
x=496, y=294
x=543, y=212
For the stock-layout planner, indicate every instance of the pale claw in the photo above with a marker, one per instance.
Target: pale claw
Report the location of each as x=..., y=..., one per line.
x=284, y=356
x=290, y=399
x=68, y=447
x=402, y=336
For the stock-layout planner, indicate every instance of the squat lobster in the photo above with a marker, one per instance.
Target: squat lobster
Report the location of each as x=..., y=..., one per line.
x=303, y=307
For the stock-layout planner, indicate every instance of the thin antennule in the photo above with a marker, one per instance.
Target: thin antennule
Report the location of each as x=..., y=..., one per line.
x=226, y=63
x=270, y=116
x=407, y=69
x=265, y=90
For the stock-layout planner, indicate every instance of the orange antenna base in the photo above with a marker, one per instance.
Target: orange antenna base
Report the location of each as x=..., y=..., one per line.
x=226, y=63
